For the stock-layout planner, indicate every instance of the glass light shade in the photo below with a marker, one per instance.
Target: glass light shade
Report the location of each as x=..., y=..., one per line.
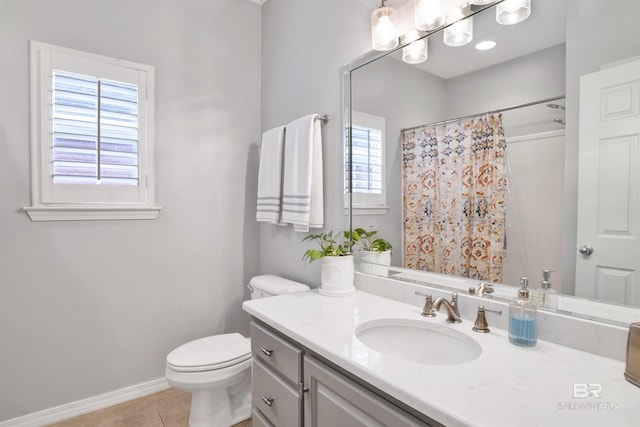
x=428, y=14
x=416, y=52
x=481, y=2
x=383, y=29
x=511, y=12
x=461, y=31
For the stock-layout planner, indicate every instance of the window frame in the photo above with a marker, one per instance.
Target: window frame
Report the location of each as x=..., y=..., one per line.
x=51, y=201
x=368, y=203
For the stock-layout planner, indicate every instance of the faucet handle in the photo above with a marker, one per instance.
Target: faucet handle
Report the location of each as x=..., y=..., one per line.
x=454, y=303
x=485, y=288
x=481, y=324
x=427, y=311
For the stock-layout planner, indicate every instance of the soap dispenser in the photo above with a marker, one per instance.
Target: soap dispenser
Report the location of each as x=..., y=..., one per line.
x=522, y=318
x=545, y=296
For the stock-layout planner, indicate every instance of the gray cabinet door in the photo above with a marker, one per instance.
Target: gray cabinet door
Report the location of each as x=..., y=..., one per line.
x=334, y=400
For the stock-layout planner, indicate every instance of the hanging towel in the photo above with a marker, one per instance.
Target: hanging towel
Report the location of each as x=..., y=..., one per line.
x=269, y=206
x=302, y=194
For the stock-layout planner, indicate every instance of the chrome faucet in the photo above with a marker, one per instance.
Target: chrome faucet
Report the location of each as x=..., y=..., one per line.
x=453, y=314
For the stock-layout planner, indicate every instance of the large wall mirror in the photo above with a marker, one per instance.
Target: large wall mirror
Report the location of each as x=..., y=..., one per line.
x=570, y=201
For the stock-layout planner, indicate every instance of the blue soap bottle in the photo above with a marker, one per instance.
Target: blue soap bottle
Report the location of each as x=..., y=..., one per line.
x=522, y=318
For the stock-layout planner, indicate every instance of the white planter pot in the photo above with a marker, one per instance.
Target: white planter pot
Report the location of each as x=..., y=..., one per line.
x=373, y=262
x=336, y=276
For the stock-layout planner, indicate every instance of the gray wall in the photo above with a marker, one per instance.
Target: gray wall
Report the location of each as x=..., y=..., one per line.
x=305, y=45
x=90, y=307
x=528, y=78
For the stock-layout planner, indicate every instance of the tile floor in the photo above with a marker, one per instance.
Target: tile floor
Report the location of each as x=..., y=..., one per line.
x=169, y=408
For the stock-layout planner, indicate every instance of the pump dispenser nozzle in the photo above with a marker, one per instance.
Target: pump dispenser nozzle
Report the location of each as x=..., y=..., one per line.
x=524, y=288
x=546, y=275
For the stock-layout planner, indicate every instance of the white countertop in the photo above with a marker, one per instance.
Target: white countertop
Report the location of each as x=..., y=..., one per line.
x=506, y=385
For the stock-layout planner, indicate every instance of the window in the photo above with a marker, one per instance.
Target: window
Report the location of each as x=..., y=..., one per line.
x=368, y=164
x=91, y=136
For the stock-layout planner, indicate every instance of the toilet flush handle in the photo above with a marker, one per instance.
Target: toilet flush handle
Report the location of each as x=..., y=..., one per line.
x=266, y=352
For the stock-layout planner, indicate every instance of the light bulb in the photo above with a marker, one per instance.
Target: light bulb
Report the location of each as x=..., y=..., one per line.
x=383, y=29
x=428, y=14
x=416, y=52
x=461, y=31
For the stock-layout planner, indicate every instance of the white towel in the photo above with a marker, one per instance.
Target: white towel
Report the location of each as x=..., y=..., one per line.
x=302, y=194
x=269, y=207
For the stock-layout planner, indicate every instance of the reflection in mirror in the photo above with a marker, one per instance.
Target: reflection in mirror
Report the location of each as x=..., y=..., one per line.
x=532, y=76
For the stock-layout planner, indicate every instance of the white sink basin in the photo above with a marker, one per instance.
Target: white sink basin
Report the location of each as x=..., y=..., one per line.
x=418, y=342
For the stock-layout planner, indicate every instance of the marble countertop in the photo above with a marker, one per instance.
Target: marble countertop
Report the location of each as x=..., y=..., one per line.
x=506, y=385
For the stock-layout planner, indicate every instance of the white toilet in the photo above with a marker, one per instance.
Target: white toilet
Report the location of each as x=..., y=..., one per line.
x=217, y=369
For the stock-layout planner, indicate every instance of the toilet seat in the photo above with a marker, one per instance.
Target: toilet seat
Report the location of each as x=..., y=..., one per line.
x=210, y=353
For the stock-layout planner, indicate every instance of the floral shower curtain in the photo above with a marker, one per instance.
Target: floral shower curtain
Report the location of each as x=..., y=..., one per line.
x=454, y=185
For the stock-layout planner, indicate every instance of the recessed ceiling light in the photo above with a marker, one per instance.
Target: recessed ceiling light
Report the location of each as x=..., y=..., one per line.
x=486, y=45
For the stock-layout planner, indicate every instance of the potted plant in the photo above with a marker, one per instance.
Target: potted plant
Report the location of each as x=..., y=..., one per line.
x=374, y=255
x=336, y=269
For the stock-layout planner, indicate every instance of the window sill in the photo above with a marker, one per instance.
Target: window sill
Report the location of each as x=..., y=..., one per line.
x=367, y=210
x=90, y=213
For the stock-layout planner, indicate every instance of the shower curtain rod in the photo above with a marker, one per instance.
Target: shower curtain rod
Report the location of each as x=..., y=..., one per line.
x=500, y=110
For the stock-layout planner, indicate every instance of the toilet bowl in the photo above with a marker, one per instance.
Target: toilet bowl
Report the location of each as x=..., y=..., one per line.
x=217, y=369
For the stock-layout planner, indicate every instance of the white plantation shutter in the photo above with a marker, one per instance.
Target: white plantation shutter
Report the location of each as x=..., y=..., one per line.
x=92, y=116
x=366, y=160
x=92, y=136
x=367, y=163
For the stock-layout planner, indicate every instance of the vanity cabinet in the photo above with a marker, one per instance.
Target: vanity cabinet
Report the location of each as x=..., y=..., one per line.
x=277, y=388
x=291, y=387
x=335, y=400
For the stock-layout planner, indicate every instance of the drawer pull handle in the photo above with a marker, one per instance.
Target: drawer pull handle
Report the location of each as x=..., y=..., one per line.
x=266, y=352
x=267, y=401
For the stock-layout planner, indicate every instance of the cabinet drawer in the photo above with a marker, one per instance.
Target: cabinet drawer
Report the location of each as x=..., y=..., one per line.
x=276, y=353
x=259, y=420
x=276, y=399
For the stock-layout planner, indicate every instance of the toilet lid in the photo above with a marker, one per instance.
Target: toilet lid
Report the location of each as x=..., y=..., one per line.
x=210, y=353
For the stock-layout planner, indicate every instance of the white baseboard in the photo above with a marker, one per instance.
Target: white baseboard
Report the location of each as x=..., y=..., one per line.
x=80, y=407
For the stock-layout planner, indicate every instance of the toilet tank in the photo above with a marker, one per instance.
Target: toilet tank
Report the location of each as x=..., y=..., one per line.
x=267, y=285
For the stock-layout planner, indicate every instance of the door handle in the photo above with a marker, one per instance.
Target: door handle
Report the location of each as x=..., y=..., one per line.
x=585, y=250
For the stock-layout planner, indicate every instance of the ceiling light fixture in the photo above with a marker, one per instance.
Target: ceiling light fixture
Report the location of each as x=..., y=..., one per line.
x=461, y=31
x=418, y=49
x=511, y=12
x=486, y=45
x=428, y=14
x=383, y=28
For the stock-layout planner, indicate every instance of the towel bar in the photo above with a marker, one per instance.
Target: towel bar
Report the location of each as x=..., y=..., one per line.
x=323, y=118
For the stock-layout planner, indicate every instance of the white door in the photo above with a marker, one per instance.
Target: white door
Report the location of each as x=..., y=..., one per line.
x=608, y=258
